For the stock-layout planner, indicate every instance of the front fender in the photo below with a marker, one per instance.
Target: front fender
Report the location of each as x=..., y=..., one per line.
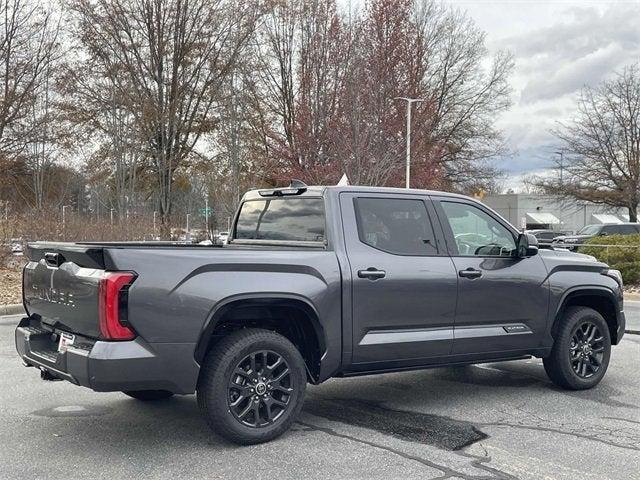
x=607, y=301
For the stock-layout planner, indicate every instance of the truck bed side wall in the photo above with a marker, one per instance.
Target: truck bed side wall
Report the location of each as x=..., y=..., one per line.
x=178, y=291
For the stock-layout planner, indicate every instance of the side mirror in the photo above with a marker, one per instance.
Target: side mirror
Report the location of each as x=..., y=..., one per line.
x=527, y=245
x=603, y=234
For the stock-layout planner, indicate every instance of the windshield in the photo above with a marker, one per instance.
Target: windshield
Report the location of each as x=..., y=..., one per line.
x=590, y=230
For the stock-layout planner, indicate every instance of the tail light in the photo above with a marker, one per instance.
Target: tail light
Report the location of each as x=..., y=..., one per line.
x=112, y=313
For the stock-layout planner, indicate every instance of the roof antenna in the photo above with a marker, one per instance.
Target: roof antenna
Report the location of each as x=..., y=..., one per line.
x=297, y=184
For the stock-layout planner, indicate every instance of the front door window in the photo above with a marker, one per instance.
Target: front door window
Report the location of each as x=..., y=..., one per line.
x=476, y=233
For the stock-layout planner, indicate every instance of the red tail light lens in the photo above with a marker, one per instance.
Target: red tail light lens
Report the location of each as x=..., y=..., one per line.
x=111, y=285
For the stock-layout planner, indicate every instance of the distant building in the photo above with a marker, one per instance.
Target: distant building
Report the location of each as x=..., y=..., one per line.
x=534, y=211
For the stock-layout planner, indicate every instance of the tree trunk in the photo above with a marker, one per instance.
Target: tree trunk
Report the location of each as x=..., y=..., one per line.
x=633, y=213
x=165, y=227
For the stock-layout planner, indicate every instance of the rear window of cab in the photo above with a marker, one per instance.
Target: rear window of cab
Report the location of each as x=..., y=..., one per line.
x=282, y=219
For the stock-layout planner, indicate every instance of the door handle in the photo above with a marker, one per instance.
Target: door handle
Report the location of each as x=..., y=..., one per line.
x=372, y=273
x=470, y=273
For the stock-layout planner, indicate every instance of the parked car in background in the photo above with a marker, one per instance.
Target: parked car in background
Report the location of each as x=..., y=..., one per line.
x=545, y=237
x=571, y=242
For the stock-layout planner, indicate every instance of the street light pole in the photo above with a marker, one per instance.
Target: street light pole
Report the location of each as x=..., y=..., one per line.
x=206, y=215
x=408, y=164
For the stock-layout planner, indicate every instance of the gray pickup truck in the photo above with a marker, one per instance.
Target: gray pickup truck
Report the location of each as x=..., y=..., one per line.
x=315, y=282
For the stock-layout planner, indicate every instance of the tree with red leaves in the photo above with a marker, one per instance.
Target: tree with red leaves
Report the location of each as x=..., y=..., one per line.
x=339, y=76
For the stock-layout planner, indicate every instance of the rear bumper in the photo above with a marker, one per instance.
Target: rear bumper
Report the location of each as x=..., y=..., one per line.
x=109, y=366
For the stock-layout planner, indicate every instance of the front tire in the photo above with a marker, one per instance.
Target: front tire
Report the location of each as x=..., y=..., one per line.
x=251, y=387
x=581, y=350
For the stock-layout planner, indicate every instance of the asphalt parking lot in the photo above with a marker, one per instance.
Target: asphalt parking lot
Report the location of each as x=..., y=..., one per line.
x=492, y=421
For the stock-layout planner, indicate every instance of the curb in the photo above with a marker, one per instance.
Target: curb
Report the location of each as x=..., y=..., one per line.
x=15, y=309
x=632, y=296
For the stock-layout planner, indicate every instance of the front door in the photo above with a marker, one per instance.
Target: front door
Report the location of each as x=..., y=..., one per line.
x=502, y=299
x=403, y=281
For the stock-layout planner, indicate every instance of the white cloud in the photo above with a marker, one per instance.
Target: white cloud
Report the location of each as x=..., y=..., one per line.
x=559, y=47
x=568, y=77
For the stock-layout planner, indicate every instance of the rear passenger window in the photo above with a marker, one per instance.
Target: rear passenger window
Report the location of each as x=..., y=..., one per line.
x=396, y=226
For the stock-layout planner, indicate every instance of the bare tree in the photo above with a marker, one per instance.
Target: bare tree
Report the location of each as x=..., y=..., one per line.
x=93, y=108
x=464, y=95
x=27, y=44
x=29, y=52
x=116, y=159
x=330, y=80
x=45, y=137
x=40, y=154
x=322, y=68
x=167, y=60
x=237, y=159
x=601, y=145
x=277, y=52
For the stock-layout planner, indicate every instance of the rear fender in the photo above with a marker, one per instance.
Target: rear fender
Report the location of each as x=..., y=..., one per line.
x=257, y=300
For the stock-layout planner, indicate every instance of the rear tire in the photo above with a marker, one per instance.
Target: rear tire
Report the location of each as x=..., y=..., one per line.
x=581, y=350
x=149, y=395
x=251, y=386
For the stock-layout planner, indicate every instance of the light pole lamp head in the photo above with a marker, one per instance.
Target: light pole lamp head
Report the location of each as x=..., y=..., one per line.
x=409, y=100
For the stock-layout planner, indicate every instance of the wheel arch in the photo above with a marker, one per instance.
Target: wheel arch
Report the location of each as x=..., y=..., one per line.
x=601, y=299
x=290, y=315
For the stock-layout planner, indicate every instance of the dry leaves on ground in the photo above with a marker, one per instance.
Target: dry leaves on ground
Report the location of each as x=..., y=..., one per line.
x=10, y=286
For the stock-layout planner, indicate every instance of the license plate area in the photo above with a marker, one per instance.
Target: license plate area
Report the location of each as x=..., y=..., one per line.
x=66, y=340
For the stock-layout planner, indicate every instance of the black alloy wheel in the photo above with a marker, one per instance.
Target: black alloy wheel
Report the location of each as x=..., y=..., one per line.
x=260, y=389
x=251, y=386
x=587, y=349
x=581, y=349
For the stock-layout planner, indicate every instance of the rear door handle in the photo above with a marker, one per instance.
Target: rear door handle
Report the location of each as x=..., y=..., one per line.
x=470, y=273
x=372, y=273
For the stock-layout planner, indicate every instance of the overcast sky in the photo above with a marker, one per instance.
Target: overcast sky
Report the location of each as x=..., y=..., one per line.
x=559, y=46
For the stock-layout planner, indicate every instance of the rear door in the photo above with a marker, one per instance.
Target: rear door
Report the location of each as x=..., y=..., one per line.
x=502, y=299
x=403, y=282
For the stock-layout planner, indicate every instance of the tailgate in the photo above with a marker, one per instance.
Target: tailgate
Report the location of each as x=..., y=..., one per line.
x=60, y=292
